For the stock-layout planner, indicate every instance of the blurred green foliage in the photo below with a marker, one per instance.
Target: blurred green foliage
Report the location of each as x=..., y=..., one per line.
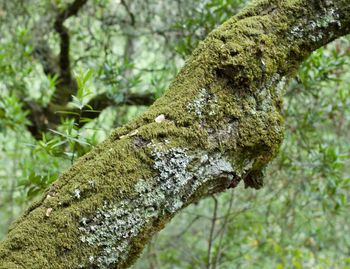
x=298, y=220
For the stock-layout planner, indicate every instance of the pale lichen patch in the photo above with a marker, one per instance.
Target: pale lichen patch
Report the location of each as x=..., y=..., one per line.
x=111, y=229
x=313, y=28
x=160, y=118
x=76, y=193
x=180, y=174
x=199, y=103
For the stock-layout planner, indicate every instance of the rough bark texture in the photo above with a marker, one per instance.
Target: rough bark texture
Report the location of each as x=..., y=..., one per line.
x=218, y=123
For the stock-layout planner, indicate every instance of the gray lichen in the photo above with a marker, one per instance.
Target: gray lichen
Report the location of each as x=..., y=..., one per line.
x=179, y=175
x=281, y=86
x=111, y=229
x=76, y=193
x=182, y=173
x=172, y=167
x=314, y=27
x=92, y=183
x=198, y=104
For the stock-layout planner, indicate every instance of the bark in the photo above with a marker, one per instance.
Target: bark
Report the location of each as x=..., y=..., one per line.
x=219, y=123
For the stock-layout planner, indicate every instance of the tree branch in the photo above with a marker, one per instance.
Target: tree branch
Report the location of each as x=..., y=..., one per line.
x=219, y=123
x=60, y=65
x=64, y=58
x=44, y=118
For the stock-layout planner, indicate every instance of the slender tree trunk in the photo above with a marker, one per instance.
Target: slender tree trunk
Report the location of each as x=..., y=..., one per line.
x=218, y=123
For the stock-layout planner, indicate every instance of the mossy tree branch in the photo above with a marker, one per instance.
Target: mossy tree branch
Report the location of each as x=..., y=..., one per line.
x=219, y=123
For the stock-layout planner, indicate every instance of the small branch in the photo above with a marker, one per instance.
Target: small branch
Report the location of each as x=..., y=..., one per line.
x=131, y=15
x=47, y=59
x=59, y=65
x=211, y=235
x=223, y=231
x=44, y=118
x=69, y=85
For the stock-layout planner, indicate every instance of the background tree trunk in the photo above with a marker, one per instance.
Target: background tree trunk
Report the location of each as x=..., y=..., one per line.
x=218, y=123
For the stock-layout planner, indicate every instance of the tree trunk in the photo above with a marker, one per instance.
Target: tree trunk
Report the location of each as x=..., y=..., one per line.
x=218, y=123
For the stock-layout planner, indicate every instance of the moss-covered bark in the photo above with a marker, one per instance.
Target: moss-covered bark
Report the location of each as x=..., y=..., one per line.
x=218, y=123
